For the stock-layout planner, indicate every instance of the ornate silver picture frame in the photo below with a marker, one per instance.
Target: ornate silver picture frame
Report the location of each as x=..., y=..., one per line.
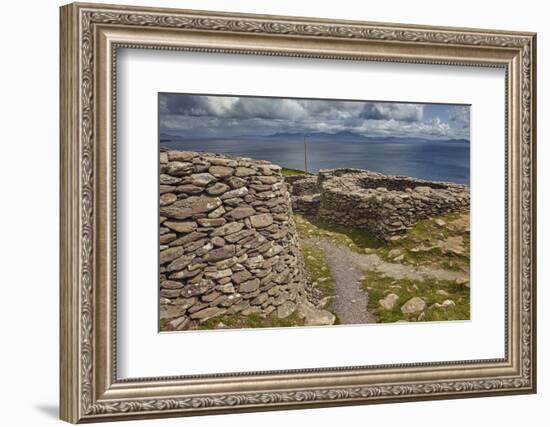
x=91, y=37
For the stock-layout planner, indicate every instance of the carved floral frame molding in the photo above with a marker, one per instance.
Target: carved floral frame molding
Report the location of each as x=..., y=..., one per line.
x=90, y=37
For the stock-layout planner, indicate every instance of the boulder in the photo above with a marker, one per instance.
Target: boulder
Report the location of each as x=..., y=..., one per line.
x=388, y=302
x=285, y=309
x=413, y=306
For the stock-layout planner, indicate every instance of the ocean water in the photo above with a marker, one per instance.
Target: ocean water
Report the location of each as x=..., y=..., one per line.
x=426, y=159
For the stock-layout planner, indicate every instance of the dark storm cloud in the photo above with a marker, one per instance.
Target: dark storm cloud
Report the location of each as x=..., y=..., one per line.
x=389, y=111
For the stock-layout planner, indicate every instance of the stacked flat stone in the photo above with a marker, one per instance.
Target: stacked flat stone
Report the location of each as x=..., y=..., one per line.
x=383, y=204
x=305, y=194
x=228, y=243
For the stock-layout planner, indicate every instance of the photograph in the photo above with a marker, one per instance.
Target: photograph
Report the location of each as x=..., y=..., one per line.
x=261, y=211
x=278, y=212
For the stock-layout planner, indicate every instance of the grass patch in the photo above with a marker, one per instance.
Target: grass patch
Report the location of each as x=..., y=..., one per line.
x=429, y=243
x=290, y=172
x=378, y=286
x=356, y=239
x=318, y=268
x=239, y=321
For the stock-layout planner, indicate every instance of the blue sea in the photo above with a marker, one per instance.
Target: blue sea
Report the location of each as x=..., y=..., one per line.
x=420, y=158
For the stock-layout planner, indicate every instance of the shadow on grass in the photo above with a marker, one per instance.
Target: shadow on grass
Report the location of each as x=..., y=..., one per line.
x=361, y=238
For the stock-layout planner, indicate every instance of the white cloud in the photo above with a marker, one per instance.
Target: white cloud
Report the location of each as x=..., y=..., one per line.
x=460, y=116
x=215, y=116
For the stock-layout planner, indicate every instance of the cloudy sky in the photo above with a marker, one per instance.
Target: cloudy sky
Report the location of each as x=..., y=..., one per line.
x=201, y=116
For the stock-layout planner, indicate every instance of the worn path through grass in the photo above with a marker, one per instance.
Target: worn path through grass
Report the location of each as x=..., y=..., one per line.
x=357, y=274
x=350, y=301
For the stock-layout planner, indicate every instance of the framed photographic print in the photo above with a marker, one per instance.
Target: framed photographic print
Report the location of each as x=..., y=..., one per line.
x=266, y=212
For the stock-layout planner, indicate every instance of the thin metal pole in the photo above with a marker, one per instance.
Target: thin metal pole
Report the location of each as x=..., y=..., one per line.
x=305, y=153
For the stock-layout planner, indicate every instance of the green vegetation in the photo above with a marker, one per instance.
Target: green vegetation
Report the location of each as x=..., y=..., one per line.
x=239, y=321
x=430, y=290
x=442, y=242
x=356, y=239
x=318, y=268
x=289, y=172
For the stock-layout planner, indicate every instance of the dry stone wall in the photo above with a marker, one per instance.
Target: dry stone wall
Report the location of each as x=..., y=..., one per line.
x=228, y=243
x=385, y=205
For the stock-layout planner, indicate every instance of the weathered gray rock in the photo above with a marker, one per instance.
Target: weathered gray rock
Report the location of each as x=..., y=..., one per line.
x=181, y=156
x=238, y=236
x=191, y=237
x=221, y=171
x=268, y=179
x=179, y=324
x=170, y=254
x=238, y=192
x=241, y=276
x=189, y=189
x=168, y=179
x=218, y=274
x=413, y=306
x=178, y=169
x=204, y=204
x=242, y=212
x=169, y=293
x=166, y=189
x=262, y=220
x=167, y=238
x=445, y=304
x=388, y=302
x=243, y=171
x=221, y=161
x=194, y=289
x=254, y=262
x=176, y=212
x=313, y=316
x=211, y=222
x=260, y=299
x=236, y=182
x=181, y=262
x=217, y=189
x=285, y=309
x=216, y=213
x=181, y=226
x=171, y=284
x=249, y=286
x=229, y=228
x=208, y=313
x=220, y=253
x=202, y=179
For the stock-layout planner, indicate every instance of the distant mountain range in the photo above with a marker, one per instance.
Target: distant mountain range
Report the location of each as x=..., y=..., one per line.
x=352, y=136
x=319, y=136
